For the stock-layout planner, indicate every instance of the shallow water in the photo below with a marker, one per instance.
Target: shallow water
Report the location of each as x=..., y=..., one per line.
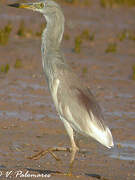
x=23, y=115
x=121, y=114
x=28, y=118
x=123, y=151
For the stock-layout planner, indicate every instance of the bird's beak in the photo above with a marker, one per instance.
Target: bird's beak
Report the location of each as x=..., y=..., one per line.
x=24, y=5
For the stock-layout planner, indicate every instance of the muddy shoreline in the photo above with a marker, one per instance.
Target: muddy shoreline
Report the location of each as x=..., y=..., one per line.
x=28, y=120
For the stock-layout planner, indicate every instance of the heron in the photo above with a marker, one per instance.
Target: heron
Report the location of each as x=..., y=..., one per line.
x=76, y=106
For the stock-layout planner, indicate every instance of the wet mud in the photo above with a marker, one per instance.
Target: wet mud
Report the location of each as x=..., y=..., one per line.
x=28, y=120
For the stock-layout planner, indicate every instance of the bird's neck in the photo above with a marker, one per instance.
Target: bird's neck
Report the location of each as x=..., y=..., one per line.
x=51, y=40
x=52, y=35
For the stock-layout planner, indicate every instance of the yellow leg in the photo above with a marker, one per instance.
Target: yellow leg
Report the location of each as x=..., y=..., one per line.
x=74, y=148
x=73, y=153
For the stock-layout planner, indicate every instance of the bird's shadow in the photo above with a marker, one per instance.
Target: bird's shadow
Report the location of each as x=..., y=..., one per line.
x=53, y=172
x=93, y=175
x=43, y=171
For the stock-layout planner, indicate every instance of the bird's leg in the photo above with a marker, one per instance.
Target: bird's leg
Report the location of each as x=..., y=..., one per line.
x=74, y=147
x=73, y=153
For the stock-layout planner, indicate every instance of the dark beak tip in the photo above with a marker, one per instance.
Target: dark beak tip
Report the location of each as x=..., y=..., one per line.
x=14, y=5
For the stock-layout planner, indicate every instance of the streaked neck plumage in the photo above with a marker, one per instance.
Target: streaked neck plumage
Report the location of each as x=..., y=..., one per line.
x=51, y=40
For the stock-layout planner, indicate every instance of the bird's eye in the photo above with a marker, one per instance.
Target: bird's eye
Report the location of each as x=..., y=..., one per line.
x=41, y=5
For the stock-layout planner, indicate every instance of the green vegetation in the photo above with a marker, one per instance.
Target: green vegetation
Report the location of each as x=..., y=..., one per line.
x=133, y=72
x=42, y=27
x=4, y=68
x=66, y=36
x=4, y=34
x=123, y=35
x=84, y=70
x=86, y=35
x=78, y=43
x=112, y=48
x=23, y=32
x=18, y=63
x=115, y=3
x=126, y=34
x=87, y=2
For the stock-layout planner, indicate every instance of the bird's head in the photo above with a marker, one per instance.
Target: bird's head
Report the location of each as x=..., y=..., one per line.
x=52, y=12
x=46, y=7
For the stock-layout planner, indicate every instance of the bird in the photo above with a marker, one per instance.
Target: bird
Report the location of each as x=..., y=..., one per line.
x=75, y=104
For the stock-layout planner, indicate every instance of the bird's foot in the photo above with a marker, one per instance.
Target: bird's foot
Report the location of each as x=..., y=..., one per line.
x=70, y=174
x=50, y=151
x=44, y=153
